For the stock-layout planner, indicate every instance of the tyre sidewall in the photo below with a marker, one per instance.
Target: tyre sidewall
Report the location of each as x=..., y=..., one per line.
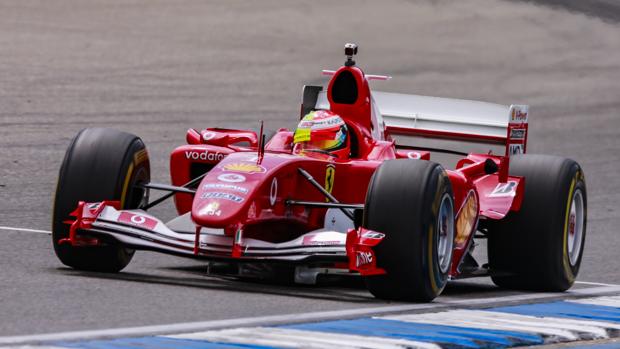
x=100, y=164
x=405, y=207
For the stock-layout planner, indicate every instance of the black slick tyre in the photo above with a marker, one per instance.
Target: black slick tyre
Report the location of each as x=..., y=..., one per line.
x=540, y=246
x=411, y=202
x=100, y=164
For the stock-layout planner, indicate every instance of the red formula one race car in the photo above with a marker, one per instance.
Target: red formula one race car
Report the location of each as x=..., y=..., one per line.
x=353, y=190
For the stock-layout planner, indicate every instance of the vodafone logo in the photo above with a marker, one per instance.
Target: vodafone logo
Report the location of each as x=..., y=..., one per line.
x=209, y=135
x=204, y=155
x=413, y=155
x=273, y=192
x=137, y=220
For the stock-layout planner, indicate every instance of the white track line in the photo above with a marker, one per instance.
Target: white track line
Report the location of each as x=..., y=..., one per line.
x=291, y=338
x=38, y=231
x=27, y=230
x=179, y=328
x=568, y=329
x=594, y=283
x=611, y=301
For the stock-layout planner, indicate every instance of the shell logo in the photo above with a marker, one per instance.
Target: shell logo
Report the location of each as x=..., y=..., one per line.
x=466, y=220
x=244, y=167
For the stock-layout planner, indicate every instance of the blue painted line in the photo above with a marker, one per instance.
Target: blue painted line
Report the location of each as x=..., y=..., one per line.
x=153, y=343
x=443, y=335
x=450, y=335
x=565, y=310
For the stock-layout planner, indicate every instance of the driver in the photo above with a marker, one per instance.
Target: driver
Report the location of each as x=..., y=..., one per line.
x=324, y=132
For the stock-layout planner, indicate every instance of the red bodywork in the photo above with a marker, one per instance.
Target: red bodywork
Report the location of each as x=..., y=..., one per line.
x=246, y=193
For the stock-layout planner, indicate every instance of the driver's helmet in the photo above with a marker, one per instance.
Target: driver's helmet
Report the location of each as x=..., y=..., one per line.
x=322, y=132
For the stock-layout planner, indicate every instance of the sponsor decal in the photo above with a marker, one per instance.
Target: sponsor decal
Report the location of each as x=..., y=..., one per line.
x=413, y=155
x=140, y=156
x=244, y=167
x=137, y=220
x=373, y=235
x=318, y=120
x=504, y=189
x=517, y=133
x=273, y=192
x=519, y=114
x=515, y=149
x=327, y=123
x=321, y=243
x=204, y=155
x=252, y=211
x=238, y=236
x=225, y=196
x=362, y=258
x=314, y=121
x=92, y=208
x=209, y=135
x=330, y=173
x=466, y=219
x=305, y=124
x=315, y=240
x=212, y=209
x=225, y=187
x=231, y=178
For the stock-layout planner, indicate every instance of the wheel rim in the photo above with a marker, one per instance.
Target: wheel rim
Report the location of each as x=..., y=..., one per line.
x=575, y=227
x=445, y=233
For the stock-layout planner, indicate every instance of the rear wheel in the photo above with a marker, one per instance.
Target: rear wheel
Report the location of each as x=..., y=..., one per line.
x=541, y=245
x=411, y=202
x=100, y=164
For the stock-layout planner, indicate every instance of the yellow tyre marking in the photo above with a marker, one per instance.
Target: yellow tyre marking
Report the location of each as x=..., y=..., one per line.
x=126, y=184
x=565, y=259
x=430, y=259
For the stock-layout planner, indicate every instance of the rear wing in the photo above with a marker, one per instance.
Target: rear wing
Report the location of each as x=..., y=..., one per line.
x=459, y=120
x=443, y=123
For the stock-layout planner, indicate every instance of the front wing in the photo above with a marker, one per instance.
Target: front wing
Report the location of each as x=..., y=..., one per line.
x=96, y=223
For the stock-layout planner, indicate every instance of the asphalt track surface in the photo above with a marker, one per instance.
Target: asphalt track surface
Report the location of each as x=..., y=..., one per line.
x=156, y=68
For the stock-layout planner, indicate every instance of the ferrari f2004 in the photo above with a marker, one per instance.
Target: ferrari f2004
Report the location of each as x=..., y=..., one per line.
x=353, y=190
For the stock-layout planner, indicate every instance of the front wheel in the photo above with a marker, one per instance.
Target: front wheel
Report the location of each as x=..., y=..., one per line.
x=100, y=164
x=411, y=202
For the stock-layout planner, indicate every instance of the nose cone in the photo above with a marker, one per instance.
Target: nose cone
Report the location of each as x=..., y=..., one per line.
x=222, y=199
x=225, y=194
